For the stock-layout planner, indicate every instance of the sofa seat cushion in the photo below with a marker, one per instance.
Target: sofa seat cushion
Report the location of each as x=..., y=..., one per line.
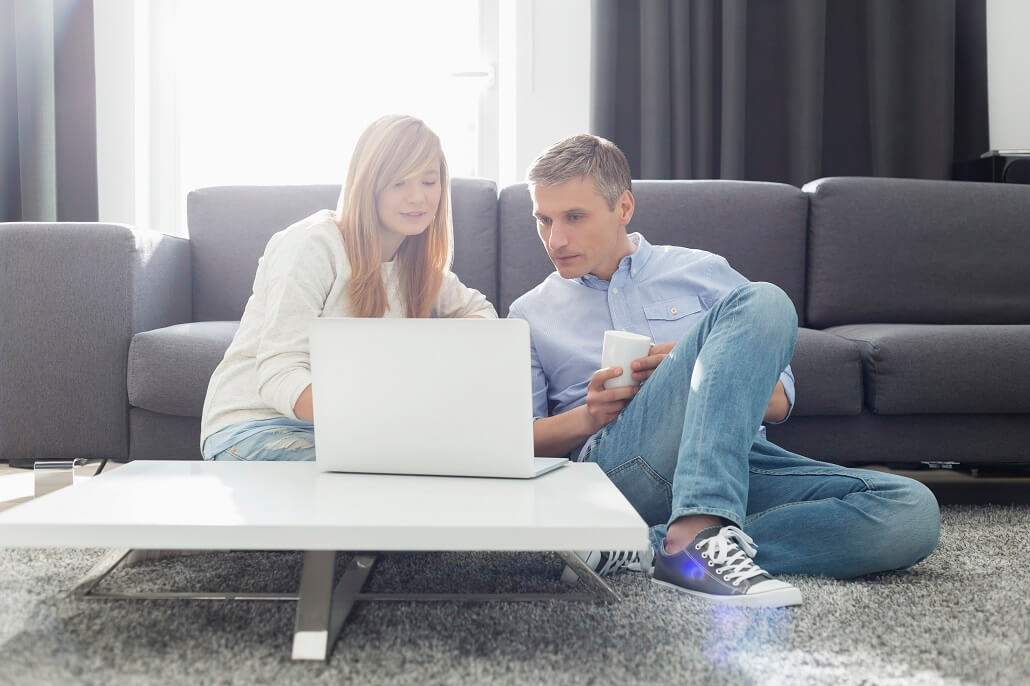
x=827, y=374
x=943, y=368
x=169, y=368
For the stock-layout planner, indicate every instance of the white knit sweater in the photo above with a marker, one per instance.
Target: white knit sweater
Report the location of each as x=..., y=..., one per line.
x=302, y=275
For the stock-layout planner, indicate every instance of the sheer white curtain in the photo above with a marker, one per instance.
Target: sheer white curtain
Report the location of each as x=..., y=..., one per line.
x=277, y=92
x=233, y=92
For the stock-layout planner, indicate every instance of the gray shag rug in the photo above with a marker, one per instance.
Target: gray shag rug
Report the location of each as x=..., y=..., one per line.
x=959, y=617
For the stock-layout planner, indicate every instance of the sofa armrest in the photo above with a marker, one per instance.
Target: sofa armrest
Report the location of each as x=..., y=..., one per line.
x=71, y=297
x=162, y=292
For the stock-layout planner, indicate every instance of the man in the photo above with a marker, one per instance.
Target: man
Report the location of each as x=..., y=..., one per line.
x=686, y=446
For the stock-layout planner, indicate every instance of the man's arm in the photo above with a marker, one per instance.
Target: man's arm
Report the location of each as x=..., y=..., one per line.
x=556, y=436
x=561, y=433
x=779, y=405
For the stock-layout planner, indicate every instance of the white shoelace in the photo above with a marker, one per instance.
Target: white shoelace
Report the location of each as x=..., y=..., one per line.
x=732, y=550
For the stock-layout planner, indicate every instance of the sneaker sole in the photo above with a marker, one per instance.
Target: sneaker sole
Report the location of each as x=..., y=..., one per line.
x=784, y=597
x=569, y=577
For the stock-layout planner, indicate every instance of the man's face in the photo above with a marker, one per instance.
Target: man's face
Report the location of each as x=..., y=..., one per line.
x=581, y=234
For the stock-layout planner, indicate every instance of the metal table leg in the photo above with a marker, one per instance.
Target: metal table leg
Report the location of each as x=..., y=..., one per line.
x=601, y=589
x=109, y=562
x=321, y=610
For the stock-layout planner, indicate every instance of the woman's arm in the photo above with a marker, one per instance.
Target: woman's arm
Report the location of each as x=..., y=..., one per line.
x=455, y=299
x=298, y=277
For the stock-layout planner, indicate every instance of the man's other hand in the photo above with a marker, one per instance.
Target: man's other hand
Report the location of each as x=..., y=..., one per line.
x=644, y=367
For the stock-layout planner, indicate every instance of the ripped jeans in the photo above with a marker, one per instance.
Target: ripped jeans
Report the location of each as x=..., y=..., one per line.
x=282, y=443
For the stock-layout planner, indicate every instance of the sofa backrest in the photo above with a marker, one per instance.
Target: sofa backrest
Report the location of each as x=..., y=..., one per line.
x=918, y=252
x=230, y=225
x=758, y=227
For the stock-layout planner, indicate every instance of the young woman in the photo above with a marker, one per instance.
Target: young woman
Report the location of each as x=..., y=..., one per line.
x=385, y=252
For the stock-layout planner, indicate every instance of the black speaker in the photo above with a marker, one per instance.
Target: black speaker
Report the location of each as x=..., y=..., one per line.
x=998, y=166
x=1016, y=170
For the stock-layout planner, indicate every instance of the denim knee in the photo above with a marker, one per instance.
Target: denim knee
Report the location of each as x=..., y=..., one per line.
x=925, y=520
x=915, y=524
x=770, y=304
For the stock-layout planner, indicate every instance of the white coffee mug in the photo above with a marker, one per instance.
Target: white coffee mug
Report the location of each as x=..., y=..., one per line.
x=619, y=350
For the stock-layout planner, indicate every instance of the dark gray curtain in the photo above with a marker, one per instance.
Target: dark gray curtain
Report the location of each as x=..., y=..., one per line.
x=48, y=168
x=791, y=90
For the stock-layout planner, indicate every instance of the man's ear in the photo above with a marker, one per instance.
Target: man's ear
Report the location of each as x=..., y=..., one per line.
x=625, y=206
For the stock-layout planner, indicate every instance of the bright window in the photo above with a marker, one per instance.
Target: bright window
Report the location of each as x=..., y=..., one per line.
x=273, y=92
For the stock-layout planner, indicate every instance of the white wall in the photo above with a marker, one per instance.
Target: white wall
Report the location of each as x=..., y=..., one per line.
x=543, y=79
x=1008, y=73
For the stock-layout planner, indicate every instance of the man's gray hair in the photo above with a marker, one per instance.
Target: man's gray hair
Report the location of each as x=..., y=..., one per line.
x=579, y=156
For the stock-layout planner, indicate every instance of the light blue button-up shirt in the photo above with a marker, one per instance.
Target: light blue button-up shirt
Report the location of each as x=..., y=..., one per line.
x=659, y=291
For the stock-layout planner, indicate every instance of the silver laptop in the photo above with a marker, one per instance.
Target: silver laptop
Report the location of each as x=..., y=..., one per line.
x=424, y=396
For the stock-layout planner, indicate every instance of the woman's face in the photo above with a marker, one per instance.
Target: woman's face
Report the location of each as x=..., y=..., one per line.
x=407, y=206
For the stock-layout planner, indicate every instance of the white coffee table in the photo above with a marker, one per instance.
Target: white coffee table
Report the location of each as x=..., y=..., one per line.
x=191, y=505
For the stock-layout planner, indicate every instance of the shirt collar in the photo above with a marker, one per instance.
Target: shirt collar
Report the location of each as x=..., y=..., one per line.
x=634, y=262
x=640, y=256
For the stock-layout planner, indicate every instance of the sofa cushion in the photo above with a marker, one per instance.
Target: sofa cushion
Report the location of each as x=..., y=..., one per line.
x=827, y=375
x=940, y=369
x=758, y=227
x=911, y=251
x=169, y=368
x=230, y=225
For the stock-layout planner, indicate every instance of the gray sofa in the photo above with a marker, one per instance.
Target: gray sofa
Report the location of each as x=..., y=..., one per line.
x=913, y=300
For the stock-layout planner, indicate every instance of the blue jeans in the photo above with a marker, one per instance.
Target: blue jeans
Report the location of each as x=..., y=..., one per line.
x=688, y=444
x=283, y=443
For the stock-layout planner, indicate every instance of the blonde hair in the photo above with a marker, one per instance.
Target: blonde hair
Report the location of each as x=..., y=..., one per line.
x=393, y=148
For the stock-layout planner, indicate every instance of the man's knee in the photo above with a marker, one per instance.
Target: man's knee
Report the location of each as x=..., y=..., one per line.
x=770, y=298
x=771, y=310
x=926, y=520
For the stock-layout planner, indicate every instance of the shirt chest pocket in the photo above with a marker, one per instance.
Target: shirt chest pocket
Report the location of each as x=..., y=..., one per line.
x=670, y=319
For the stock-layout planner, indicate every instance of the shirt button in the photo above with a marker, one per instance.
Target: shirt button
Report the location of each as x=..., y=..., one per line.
x=615, y=291
x=673, y=310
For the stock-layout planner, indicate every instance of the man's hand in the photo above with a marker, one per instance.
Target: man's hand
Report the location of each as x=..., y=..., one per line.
x=605, y=404
x=644, y=367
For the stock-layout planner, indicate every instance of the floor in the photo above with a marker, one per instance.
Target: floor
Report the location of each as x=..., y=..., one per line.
x=951, y=486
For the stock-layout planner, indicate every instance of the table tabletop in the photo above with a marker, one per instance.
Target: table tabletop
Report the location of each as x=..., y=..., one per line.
x=296, y=506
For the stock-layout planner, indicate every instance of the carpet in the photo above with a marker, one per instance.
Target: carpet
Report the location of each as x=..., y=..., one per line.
x=959, y=617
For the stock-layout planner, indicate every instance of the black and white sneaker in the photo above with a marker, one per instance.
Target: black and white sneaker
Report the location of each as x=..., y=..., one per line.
x=718, y=567
x=608, y=562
